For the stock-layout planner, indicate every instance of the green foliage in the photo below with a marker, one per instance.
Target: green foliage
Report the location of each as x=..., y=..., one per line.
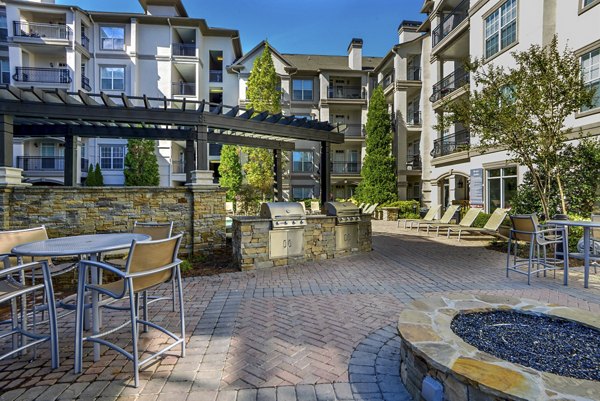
x=523, y=109
x=378, y=184
x=481, y=219
x=248, y=200
x=90, y=181
x=408, y=209
x=98, y=177
x=141, y=165
x=230, y=170
x=259, y=171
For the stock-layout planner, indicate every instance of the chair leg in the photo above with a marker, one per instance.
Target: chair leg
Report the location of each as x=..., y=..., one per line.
x=49, y=296
x=79, y=320
x=181, y=313
x=173, y=288
x=531, y=251
x=134, y=333
x=508, y=256
x=145, y=310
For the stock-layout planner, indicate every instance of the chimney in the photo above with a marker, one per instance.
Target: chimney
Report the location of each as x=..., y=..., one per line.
x=355, y=54
x=407, y=31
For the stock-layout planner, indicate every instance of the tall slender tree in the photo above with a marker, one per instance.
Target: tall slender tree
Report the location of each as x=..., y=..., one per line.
x=230, y=171
x=378, y=182
x=141, y=165
x=262, y=95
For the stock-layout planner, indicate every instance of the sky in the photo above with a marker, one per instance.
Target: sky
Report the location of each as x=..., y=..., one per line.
x=295, y=26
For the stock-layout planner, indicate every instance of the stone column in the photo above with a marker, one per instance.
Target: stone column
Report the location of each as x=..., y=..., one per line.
x=190, y=159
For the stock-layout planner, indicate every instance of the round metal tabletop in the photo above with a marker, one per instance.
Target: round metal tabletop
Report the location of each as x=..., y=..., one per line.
x=79, y=244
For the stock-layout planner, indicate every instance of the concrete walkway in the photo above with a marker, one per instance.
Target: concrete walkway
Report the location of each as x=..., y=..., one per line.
x=320, y=331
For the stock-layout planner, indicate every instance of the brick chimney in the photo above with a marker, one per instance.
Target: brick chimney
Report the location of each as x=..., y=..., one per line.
x=355, y=54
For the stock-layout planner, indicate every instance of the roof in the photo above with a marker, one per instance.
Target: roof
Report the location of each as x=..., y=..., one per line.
x=315, y=62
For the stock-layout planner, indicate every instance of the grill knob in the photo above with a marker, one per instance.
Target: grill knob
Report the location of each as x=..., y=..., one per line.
x=293, y=221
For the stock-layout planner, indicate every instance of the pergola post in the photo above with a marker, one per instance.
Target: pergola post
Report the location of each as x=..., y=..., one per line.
x=70, y=177
x=325, y=171
x=277, y=155
x=202, y=148
x=190, y=159
x=6, y=140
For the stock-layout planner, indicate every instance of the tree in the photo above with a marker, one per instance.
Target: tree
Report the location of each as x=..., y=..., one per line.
x=230, y=170
x=523, y=110
x=98, y=177
x=378, y=182
x=262, y=95
x=141, y=165
x=90, y=181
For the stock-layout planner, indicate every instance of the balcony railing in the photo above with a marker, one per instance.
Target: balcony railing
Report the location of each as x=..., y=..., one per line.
x=387, y=80
x=39, y=30
x=46, y=163
x=413, y=162
x=449, y=84
x=450, y=21
x=177, y=167
x=345, y=92
x=345, y=167
x=452, y=143
x=413, y=73
x=184, y=49
x=183, y=89
x=354, y=130
x=85, y=83
x=413, y=118
x=46, y=75
x=215, y=76
x=85, y=41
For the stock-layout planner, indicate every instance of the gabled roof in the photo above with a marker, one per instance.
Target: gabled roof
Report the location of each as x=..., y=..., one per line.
x=255, y=50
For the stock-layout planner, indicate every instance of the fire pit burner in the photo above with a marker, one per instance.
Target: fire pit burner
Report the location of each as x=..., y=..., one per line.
x=549, y=344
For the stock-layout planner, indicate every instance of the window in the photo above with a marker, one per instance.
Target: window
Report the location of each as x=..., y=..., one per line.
x=214, y=149
x=302, y=89
x=112, y=38
x=3, y=26
x=301, y=192
x=112, y=78
x=215, y=66
x=112, y=157
x=501, y=28
x=302, y=161
x=587, y=2
x=590, y=66
x=501, y=187
x=4, y=71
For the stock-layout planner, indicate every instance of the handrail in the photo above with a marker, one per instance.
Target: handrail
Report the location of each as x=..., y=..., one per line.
x=40, y=30
x=413, y=118
x=345, y=92
x=46, y=163
x=450, y=21
x=85, y=83
x=184, y=49
x=183, y=88
x=456, y=142
x=48, y=75
x=354, y=130
x=85, y=41
x=456, y=80
x=345, y=167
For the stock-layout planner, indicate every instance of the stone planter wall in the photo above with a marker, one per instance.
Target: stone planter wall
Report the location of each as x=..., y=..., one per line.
x=197, y=211
x=251, y=241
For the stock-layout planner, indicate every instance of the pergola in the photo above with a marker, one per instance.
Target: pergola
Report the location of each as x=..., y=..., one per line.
x=31, y=112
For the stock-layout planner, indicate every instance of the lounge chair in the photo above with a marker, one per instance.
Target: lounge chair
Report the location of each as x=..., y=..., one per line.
x=446, y=218
x=490, y=228
x=466, y=222
x=371, y=208
x=431, y=213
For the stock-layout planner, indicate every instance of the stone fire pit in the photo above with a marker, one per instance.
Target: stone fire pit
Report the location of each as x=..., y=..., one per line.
x=436, y=361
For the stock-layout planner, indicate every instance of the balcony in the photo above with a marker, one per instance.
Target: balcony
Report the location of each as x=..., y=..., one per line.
x=387, y=80
x=413, y=162
x=215, y=76
x=183, y=89
x=350, y=168
x=46, y=163
x=413, y=118
x=39, y=30
x=85, y=41
x=354, y=131
x=44, y=75
x=449, y=84
x=184, y=49
x=85, y=83
x=413, y=73
x=177, y=167
x=450, y=21
x=345, y=92
x=456, y=142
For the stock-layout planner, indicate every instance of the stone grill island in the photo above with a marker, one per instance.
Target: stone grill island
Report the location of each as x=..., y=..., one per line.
x=438, y=364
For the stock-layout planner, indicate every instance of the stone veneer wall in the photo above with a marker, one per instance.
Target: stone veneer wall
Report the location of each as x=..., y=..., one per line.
x=196, y=211
x=251, y=241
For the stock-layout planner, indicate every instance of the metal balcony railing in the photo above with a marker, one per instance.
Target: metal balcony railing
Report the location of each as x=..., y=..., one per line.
x=345, y=92
x=177, y=167
x=85, y=83
x=413, y=162
x=450, y=21
x=413, y=118
x=413, y=73
x=46, y=75
x=85, y=41
x=345, y=167
x=215, y=76
x=449, y=84
x=3, y=34
x=183, y=89
x=354, y=130
x=184, y=49
x=452, y=143
x=39, y=30
x=387, y=80
x=46, y=163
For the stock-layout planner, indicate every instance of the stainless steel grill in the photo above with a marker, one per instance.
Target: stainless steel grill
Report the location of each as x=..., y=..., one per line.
x=286, y=237
x=345, y=212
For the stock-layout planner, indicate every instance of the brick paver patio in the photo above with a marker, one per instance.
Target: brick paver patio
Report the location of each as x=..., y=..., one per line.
x=320, y=331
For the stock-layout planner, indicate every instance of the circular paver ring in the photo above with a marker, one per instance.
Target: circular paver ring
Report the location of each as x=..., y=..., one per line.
x=429, y=347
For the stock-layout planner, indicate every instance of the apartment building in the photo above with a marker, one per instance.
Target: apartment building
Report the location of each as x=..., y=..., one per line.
x=159, y=53
x=327, y=88
x=455, y=30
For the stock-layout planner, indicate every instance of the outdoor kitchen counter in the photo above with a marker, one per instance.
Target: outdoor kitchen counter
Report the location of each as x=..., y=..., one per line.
x=250, y=241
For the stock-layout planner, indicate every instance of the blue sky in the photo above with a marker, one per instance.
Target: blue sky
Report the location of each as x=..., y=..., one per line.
x=295, y=26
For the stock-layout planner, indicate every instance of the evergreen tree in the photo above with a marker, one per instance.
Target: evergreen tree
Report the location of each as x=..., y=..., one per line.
x=263, y=95
x=230, y=171
x=378, y=184
x=90, y=181
x=141, y=165
x=98, y=178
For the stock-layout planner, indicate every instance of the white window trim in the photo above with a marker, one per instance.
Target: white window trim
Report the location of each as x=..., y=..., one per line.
x=594, y=81
x=501, y=179
x=500, y=49
x=112, y=79
x=112, y=156
x=100, y=44
x=312, y=161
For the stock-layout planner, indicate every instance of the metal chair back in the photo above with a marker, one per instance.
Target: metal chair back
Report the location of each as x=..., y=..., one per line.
x=149, y=255
x=524, y=227
x=10, y=239
x=154, y=230
x=431, y=213
x=315, y=207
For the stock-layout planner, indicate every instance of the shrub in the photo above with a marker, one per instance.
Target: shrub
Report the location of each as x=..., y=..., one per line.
x=406, y=209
